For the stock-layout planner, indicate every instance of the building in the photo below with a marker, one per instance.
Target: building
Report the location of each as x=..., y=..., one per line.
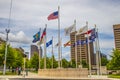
x=116, y=30
x=34, y=49
x=82, y=50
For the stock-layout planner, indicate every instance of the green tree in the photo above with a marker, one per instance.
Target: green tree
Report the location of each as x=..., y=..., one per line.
x=73, y=64
x=84, y=64
x=27, y=64
x=10, y=56
x=48, y=63
x=104, y=61
x=18, y=61
x=2, y=53
x=114, y=63
x=65, y=63
x=55, y=63
x=34, y=61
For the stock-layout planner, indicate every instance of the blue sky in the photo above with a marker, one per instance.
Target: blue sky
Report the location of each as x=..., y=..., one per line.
x=29, y=15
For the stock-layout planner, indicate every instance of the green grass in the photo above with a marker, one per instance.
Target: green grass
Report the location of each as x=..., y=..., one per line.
x=114, y=76
x=8, y=73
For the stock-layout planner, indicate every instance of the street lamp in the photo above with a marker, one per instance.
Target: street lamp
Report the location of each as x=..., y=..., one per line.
x=7, y=32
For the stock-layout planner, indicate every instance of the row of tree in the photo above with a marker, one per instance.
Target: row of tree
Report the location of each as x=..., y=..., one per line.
x=14, y=56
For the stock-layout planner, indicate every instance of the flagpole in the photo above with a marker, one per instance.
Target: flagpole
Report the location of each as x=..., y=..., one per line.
x=61, y=51
x=45, y=38
x=39, y=51
x=97, y=58
x=75, y=45
x=52, y=52
x=89, y=56
x=80, y=52
x=59, y=36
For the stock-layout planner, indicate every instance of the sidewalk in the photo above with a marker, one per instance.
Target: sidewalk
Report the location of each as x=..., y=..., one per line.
x=35, y=75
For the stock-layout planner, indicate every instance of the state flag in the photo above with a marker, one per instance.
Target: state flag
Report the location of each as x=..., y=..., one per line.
x=49, y=43
x=69, y=30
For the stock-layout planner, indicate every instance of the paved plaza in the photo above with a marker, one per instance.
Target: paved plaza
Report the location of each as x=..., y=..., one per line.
x=34, y=76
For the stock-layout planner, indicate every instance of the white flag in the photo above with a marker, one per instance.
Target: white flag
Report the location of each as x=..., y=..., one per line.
x=69, y=30
x=82, y=30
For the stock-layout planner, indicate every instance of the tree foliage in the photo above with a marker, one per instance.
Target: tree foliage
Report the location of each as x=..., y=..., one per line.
x=104, y=61
x=65, y=63
x=35, y=61
x=2, y=53
x=114, y=63
x=14, y=57
x=84, y=64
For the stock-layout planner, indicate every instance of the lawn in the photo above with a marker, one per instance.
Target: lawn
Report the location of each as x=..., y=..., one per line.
x=8, y=73
x=114, y=76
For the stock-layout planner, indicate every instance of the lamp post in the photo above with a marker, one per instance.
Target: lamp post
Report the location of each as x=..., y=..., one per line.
x=7, y=32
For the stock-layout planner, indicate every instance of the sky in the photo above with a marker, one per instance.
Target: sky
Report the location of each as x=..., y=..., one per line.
x=28, y=16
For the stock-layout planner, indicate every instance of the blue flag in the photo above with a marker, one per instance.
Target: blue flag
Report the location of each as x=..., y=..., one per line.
x=49, y=43
x=36, y=37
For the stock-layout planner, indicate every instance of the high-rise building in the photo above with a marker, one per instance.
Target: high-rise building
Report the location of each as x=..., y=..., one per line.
x=82, y=50
x=34, y=49
x=116, y=29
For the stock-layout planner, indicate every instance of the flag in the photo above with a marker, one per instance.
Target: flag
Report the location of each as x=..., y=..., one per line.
x=58, y=44
x=69, y=30
x=67, y=44
x=53, y=15
x=93, y=35
x=36, y=37
x=43, y=34
x=82, y=30
x=92, y=31
x=48, y=43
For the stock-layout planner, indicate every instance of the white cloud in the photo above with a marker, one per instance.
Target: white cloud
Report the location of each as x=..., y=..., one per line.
x=20, y=37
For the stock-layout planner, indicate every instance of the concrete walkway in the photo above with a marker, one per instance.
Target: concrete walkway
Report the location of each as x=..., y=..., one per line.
x=35, y=75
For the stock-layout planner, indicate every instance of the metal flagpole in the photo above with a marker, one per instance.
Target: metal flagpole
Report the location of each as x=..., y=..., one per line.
x=59, y=37
x=39, y=51
x=61, y=51
x=75, y=45
x=97, y=58
x=52, y=52
x=89, y=55
x=80, y=52
x=45, y=38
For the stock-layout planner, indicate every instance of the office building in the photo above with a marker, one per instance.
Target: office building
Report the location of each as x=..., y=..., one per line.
x=82, y=50
x=34, y=49
x=116, y=30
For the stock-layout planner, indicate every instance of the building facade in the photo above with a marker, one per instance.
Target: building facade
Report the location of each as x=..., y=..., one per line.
x=116, y=30
x=34, y=49
x=81, y=50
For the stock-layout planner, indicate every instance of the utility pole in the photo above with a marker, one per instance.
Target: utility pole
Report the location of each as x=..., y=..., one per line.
x=7, y=32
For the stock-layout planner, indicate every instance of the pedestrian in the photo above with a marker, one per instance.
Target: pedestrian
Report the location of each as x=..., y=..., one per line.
x=19, y=71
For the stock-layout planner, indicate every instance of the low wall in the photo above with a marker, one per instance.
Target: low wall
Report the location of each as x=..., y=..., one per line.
x=68, y=72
